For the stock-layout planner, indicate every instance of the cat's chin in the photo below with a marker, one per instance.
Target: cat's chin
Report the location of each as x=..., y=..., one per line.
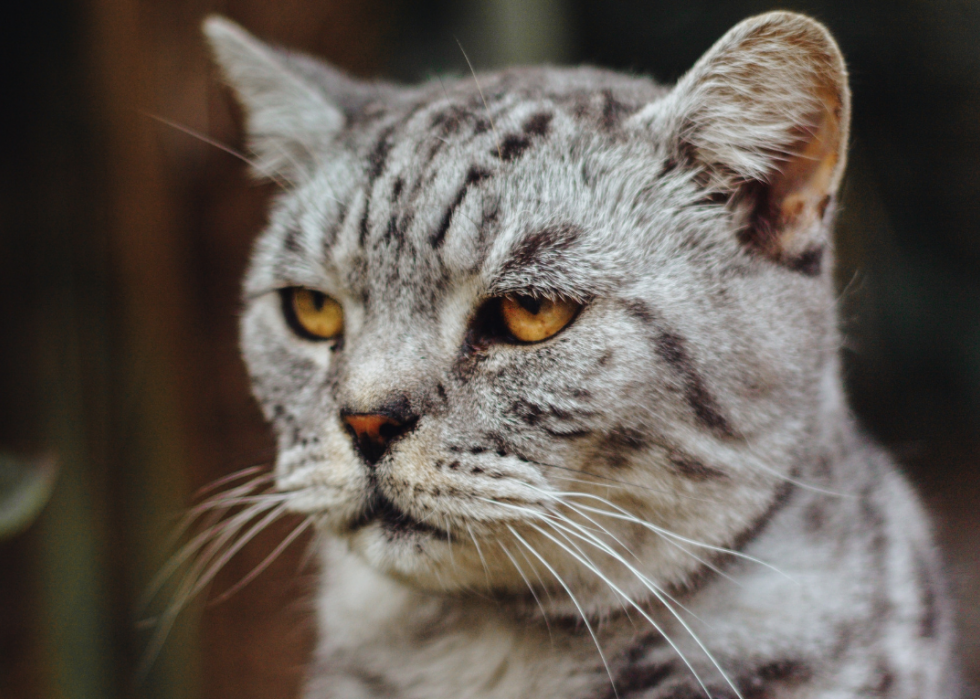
x=421, y=556
x=432, y=564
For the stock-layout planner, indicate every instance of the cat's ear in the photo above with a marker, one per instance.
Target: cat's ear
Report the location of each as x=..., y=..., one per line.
x=764, y=116
x=288, y=115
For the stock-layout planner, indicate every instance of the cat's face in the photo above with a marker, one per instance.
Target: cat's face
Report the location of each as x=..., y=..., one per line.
x=495, y=336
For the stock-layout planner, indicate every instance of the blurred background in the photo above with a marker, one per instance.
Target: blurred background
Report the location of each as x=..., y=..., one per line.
x=122, y=241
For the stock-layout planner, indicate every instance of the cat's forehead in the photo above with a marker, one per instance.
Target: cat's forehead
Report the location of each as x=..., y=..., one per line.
x=465, y=180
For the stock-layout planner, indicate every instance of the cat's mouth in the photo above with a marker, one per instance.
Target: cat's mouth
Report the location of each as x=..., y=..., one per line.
x=393, y=519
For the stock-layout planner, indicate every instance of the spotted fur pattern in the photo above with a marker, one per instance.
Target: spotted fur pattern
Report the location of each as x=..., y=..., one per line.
x=666, y=499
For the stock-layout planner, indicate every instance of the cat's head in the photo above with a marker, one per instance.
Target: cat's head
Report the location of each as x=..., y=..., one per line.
x=517, y=324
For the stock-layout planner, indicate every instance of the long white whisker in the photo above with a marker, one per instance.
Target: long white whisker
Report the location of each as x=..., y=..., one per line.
x=215, y=502
x=757, y=463
x=591, y=566
x=707, y=564
x=283, y=545
x=554, y=516
x=479, y=552
x=482, y=97
x=530, y=587
x=571, y=595
x=622, y=483
x=670, y=540
x=228, y=553
x=232, y=477
x=604, y=547
x=281, y=183
x=202, y=539
x=166, y=620
x=627, y=516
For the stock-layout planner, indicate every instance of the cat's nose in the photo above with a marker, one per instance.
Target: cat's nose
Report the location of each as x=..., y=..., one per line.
x=374, y=432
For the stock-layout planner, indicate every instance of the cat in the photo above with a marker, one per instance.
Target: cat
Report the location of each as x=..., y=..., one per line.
x=551, y=355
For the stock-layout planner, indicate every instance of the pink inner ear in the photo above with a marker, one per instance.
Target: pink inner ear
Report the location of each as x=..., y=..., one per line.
x=799, y=191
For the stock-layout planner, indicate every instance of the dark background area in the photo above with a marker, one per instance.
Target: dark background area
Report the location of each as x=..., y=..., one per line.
x=122, y=242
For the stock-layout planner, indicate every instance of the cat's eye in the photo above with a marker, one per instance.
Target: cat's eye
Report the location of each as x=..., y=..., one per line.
x=312, y=314
x=530, y=319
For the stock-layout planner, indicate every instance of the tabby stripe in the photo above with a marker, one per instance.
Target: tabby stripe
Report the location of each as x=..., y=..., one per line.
x=474, y=176
x=613, y=111
x=291, y=242
x=636, y=679
x=363, y=236
x=701, y=576
x=379, y=154
x=693, y=469
x=671, y=348
x=511, y=148
x=550, y=241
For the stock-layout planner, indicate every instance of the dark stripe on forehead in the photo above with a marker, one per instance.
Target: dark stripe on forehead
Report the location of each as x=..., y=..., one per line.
x=379, y=154
x=363, y=234
x=541, y=245
x=291, y=242
x=449, y=120
x=613, y=111
x=511, y=147
x=538, y=124
x=330, y=233
x=474, y=176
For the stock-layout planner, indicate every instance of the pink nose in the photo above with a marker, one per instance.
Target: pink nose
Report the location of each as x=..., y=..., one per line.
x=370, y=426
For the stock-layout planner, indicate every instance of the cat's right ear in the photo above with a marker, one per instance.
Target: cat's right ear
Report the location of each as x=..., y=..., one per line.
x=287, y=117
x=762, y=119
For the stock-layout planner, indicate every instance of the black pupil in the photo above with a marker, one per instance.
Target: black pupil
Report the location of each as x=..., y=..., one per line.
x=529, y=304
x=318, y=300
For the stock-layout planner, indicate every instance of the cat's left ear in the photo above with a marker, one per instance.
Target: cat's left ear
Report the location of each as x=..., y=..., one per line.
x=288, y=114
x=763, y=117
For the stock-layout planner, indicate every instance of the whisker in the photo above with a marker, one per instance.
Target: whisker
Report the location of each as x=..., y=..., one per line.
x=661, y=596
x=591, y=566
x=231, y=477
x=707, y=564
x=571, y=595
x=283, y=545
x=199, y=541
x=190, y=582
x=627, y=516
x=595, y=541
x=617, y=481
x=213, y=503
x=229, y=553
x=670, y=541
x=482, y=97
x=530, y=587
x=479, y=552
x=275, y=177
x=758, y=463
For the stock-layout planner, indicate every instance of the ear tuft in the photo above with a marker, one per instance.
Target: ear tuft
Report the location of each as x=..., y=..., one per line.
x=287, y=117
x=765, y=114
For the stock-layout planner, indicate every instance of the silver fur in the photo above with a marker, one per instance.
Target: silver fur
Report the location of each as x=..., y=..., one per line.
x=667, y=499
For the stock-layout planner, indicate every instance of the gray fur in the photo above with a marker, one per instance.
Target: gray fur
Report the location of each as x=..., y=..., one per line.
x=698, y=390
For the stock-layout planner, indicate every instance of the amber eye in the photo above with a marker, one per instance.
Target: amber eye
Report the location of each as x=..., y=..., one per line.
x=311, y=314
x=531, y=319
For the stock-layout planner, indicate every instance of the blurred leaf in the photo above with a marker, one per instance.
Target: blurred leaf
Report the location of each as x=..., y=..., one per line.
x=25, y=487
